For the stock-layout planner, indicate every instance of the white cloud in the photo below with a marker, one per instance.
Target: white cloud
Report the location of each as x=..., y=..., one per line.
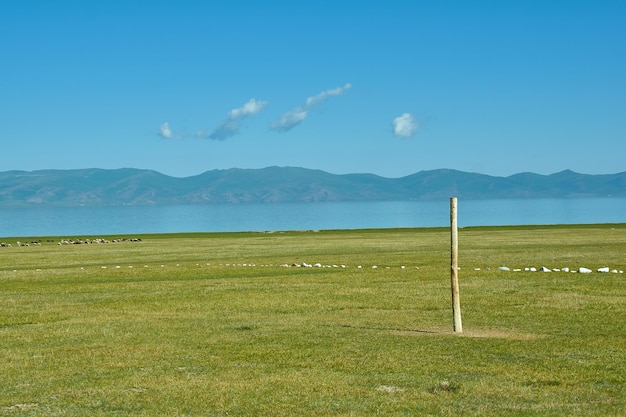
x=227, y=128
x=253, y=106
x=293, y=118
x=166, y=132
x=289, y=120
x=325, y=94
x=230, y=126
x=404, y=126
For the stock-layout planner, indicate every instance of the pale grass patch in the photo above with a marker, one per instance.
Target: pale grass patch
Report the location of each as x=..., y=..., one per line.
x=390, y=389
x=479, y=333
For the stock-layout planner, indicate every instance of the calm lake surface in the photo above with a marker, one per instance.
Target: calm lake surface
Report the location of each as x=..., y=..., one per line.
x=82, y=221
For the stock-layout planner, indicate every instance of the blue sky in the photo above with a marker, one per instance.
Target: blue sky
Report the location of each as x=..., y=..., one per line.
x=389, y=88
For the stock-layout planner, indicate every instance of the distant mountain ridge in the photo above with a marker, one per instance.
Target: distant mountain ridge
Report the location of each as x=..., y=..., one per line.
x=129, y=186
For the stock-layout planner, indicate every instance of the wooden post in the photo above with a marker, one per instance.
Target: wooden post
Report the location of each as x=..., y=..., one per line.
x=454, y=268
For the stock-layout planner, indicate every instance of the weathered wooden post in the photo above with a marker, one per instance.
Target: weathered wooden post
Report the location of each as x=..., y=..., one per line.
x=454, y=267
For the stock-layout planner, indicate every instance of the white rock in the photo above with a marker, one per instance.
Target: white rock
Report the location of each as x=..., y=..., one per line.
x=566, y=269
x=504, y=268
x=544, y=269
x=533, y=269
x=517, y=270
x=604, y=269
x=614, y=271
x=584, y=270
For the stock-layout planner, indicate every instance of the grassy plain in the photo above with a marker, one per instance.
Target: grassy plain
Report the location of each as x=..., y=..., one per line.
x=213, y=325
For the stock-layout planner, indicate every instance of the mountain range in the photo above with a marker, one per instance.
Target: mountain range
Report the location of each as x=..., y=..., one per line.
x=130, y=186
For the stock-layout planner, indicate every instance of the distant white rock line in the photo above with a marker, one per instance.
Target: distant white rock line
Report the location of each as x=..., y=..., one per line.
x=581, y=270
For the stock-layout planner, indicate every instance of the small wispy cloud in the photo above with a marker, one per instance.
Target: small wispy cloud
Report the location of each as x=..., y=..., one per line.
x=293, y=118
x=227, y=128
x=253, y=106
x=166, y=132
x=404, y=126
x=230, y=126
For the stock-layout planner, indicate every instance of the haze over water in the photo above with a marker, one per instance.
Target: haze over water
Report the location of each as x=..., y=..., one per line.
x=77, y=221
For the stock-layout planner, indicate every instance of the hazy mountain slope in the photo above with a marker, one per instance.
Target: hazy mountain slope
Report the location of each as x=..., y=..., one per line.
x=283, y=184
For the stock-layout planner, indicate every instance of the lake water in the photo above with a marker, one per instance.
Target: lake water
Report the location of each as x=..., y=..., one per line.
x=83, y=221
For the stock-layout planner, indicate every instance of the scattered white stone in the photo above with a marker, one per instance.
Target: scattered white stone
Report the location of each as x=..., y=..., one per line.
x=516, y=270
x=604, y=269
x=104, y=267
x=532, y=269
x=359, y=267
x=614, y=271
x=583, y=270
x=476, y=269
x=504, y=268
x=544, y=269
x=374, y=267
x=117, y=267
x=318, y=265
x=526, y=269
x=556, y=270
x=566, y=269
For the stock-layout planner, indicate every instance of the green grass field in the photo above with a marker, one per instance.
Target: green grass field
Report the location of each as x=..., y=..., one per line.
x=216, y=324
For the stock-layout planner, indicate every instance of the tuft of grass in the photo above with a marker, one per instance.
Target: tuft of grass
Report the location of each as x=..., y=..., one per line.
x=445, y=387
